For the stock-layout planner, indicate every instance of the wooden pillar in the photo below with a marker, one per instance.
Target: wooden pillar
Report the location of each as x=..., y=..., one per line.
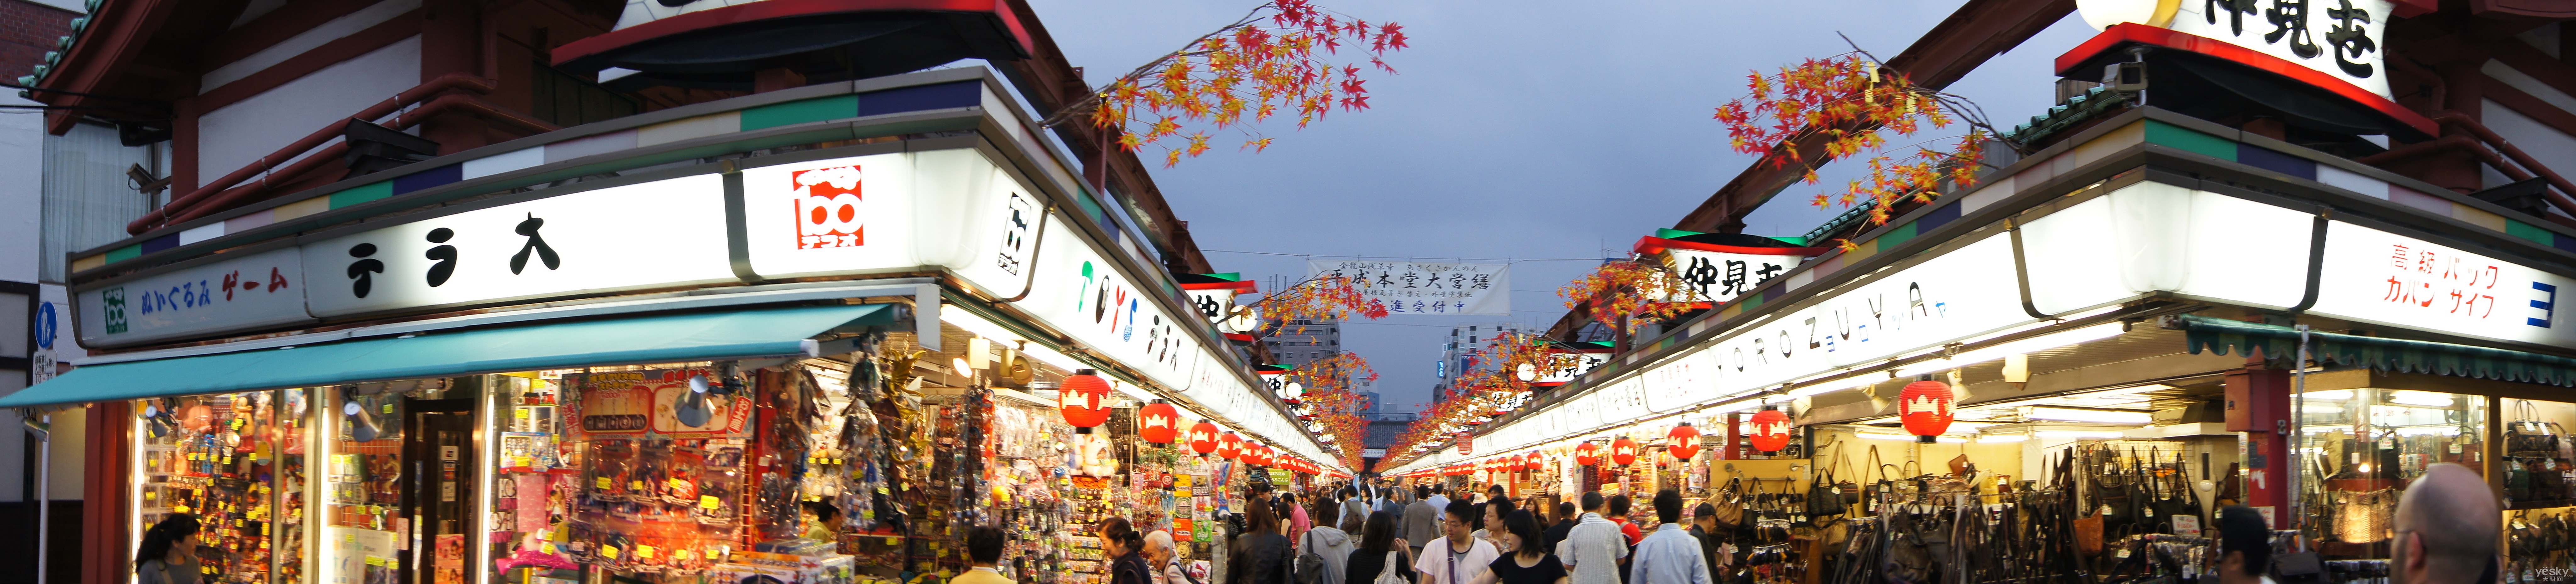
x=107, y=548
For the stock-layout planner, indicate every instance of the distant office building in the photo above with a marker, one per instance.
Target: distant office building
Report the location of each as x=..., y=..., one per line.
x=1303, y=341
x=1456, y=356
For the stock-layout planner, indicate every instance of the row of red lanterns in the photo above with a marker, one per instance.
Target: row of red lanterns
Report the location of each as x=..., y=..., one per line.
x=1083, y=399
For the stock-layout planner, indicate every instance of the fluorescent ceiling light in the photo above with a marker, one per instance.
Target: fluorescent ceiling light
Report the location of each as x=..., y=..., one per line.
x=2075, y=415
x=1838, y=384
x=2329, y=394
x=2029, y=345
x=1908, y=437
x=2001, y=438
x=2428, y=431
x=2420, y=398
x=2076, y=434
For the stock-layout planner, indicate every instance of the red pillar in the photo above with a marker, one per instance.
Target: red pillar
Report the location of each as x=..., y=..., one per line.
x=2258, y=403
x=1734, y=436
x=106, y=556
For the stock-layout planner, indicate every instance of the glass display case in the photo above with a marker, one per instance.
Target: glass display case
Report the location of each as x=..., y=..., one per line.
x=2358, y=449
x=236, y=462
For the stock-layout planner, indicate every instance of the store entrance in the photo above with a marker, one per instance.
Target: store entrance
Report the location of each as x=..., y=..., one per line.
x=439, y=450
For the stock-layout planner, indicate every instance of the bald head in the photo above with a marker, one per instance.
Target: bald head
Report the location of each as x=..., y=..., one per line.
x=2446, y=527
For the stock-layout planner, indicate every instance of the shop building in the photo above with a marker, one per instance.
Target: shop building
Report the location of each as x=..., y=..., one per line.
x=2226, y=272
x=807, y=319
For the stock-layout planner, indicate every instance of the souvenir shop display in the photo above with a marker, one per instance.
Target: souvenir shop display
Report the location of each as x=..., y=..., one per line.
x=222, y=458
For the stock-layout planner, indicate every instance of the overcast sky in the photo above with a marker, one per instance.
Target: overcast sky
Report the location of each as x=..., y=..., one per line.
x=1531, y=131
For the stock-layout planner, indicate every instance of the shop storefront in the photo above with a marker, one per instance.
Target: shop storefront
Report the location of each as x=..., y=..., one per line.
x=801, y=336
x=2067, y=345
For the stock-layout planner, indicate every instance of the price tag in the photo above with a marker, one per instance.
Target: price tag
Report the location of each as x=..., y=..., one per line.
x=604, y=484
x=546, y=547
x=375, y=561
x=680, y=484
x=684, y=555
x=644, y=552
x=635, y=485
x=389, y=407
x=608, y=551
x=709, y=502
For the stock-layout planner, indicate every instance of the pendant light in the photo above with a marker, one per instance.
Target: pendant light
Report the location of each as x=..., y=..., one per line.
x=1203, y=437
x=1770, y=430
x=1925, y=407
x=1685, y=441
x=1623, y=452
x=1084, y=400
x=1158, y=422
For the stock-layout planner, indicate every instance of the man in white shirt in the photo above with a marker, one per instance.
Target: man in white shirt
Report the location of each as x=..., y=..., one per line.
x=1671, y=555
x=1438, y=501
x=1456, y=557
x=1591, y=550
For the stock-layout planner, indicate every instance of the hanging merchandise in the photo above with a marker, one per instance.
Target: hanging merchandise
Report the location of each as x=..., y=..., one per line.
x=1158, y=422
x=1925, y=407
x=1685, y=441
x=1084, y=400
x=1770, y=430
x=1623, y=452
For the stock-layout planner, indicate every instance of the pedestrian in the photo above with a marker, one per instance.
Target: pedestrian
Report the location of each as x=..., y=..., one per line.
x=1671, y=555
x=1593, y=547
x=1438, y=500
x=1261, y=555
x=1323, y=551
x=2244, y=546
x=822, y=521
x=1564, y=523
x=1619, y=507
x=1523, y=561
x=1422, y=518
x=1165, y=560
x=1298, y=521
x=1383, y=553
x=1352, y=502
x=1713, y=544
x=168, y=554
x=1457, y=557
x=1125, y=547
x=984, y=549
x=2446, y=529
x=1490, y=526
x=1391, y=499
x=1494, y=493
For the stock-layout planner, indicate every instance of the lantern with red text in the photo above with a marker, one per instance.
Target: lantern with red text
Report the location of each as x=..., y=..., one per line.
x=1084, y=399
x=1230, y=447
x=1158, y=422
x=1685, y=441
x=1533, y=462
x=1623, y=452
x=1203, y=437
x=1925, y=406
x=1770, y=430
x=1587, y=454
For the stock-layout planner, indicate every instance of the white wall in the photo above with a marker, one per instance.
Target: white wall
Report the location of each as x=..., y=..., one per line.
x=22, y=154
x=239, y=134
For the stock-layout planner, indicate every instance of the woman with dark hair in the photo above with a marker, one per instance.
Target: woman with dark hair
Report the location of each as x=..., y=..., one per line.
x=1526, y=561
x=1380, y=552
x=1125, y=547
x=169, y=552
x=1261, y=555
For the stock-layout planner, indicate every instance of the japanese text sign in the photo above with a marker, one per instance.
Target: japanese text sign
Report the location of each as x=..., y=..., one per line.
x=1426, y=287
x=2341, y=38
x=2384, y=277
x=261, y=289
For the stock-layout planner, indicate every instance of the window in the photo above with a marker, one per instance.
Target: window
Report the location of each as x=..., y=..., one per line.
x=1471, y=327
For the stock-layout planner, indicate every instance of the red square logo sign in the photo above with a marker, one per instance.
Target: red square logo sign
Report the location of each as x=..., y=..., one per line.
x=829, y=210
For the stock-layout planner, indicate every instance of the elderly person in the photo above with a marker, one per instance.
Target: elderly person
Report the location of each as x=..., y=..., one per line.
x=2446, y=529
x=1160, y=554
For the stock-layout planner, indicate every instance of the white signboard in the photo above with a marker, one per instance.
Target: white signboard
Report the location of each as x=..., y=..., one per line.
x=890, y=213
x=254, y=290
x=655, y=234
x=2341, y=38
x=1682, y=382
x=1427, y=287
x=2377, y=276
x=1720, y=276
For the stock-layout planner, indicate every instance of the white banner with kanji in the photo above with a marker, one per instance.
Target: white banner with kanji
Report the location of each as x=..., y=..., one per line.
x=1427, y=287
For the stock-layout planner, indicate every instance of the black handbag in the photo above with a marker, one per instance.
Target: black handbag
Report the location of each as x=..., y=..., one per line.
x=1825, y=496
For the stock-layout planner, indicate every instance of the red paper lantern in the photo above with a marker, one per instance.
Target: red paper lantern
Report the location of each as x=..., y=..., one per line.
x=1256, y=454
x=1770, y=430
x=1203, y=437
x=1623, y=452
x=1230, y=447
x=1084, y=399
x=1587, y=454
x=1685, y=441
x=1532, y=462
x=1158, y=422
x=1926, y=408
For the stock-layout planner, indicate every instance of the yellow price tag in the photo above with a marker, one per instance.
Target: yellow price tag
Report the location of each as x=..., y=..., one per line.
x=644, y=552
x=635, y=485
x=375, y=561
x=709, y=501
x=680, y=484
x=547, y=547
x=684, y=555
x=604, y=484
x=608, y=551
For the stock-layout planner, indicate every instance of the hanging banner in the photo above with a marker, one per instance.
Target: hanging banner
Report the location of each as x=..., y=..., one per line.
x=1427, y=287
x=1718, y=272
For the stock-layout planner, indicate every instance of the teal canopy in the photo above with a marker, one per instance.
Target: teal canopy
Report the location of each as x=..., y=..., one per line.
x=665, y=338
x=2399, y=355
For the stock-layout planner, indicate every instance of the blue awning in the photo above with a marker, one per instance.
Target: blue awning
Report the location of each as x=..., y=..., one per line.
x=703, y=336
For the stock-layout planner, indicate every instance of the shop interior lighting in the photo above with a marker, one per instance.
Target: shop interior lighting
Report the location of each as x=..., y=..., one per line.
x=2420, y=398
x=2029, y=345
x=1838, y=385
x=2001, y=438
x=2329, y=394
x=1945, y=438
x=2076, y=434
x=2100, y=398
x=2077, y=415
x=2441, y=430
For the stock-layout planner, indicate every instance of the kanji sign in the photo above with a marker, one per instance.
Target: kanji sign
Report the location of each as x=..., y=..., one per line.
x=1426, y=287
x=2340, y=38
x=260, y=289
x=2384, y=277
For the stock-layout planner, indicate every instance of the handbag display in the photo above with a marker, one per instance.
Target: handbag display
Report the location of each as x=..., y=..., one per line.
x=2364, y=517
x=1825, y=496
